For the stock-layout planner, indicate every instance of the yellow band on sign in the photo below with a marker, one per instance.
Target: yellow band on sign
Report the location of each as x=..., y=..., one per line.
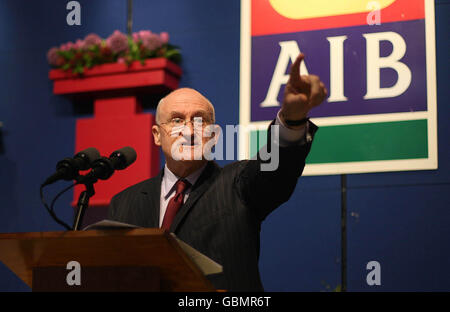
x=301, y=9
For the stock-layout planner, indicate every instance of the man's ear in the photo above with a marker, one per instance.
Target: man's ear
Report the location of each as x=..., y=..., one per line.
x=156, y=135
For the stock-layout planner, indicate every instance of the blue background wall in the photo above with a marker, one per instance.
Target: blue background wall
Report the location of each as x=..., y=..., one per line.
x=401, y=220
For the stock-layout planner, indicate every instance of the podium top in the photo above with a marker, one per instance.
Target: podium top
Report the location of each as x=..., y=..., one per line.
x=22, y=252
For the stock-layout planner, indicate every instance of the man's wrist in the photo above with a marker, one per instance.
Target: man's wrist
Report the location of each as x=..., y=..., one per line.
x=288, y=135
x=297, y=121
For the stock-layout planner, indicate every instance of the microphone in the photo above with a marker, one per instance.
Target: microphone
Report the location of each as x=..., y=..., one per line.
x=103, y=168
x=67, y=169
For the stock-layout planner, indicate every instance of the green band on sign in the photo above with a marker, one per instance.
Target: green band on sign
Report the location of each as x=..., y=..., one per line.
x=364, y=142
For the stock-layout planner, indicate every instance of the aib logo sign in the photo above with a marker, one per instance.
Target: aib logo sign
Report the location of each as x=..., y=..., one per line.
x=377, y=60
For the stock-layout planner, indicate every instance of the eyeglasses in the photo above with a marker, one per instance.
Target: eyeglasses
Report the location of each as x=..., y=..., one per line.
x=178, y=122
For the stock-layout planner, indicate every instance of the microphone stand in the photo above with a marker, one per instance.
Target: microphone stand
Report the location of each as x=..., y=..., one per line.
x=83, y=204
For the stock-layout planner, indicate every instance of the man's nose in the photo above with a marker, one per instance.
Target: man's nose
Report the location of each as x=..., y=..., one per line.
x=190, y=124
x=188, y=129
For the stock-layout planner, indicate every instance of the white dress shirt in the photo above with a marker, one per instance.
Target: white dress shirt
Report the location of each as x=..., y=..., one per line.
x=168, y=188
x=286, y=138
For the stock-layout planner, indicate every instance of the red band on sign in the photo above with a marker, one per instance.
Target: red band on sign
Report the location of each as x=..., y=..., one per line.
x=267, y=21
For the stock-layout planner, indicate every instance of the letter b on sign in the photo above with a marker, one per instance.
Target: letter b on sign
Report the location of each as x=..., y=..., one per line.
x=374, y=276
x=74, y=276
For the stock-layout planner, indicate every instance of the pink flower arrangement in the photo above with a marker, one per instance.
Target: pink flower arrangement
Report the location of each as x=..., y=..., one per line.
x=164, y=37
x=66, y=46
x=148, y=39
x=79, y=44
x=117, y=42
x=118, y=47
x=92, y=40
x=53, y=57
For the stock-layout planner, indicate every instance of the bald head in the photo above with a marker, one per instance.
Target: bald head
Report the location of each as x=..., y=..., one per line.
x=184, y=97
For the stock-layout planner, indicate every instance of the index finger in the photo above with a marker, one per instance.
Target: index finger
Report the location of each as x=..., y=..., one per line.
x=294, y=76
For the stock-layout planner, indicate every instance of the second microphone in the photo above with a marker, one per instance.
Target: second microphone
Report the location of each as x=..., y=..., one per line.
x=103, y=168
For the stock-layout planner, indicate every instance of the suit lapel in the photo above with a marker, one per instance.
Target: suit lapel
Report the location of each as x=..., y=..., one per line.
x=152, y=202
x=204, y=182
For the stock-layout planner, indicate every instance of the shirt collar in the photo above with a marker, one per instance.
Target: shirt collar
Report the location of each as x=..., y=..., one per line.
x=169, y=179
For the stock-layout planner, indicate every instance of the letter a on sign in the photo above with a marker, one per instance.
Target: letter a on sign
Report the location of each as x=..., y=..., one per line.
x=74, y=16
x=74, y=276
x=374, y=17
x=374, y=276
x=289, y=52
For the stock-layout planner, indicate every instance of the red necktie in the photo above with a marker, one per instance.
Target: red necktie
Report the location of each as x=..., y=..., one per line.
x=175, y=203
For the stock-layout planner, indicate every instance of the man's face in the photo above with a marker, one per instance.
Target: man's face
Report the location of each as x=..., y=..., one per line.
x=181, y=141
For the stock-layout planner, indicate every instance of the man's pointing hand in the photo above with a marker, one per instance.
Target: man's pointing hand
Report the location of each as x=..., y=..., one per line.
x=302, y=93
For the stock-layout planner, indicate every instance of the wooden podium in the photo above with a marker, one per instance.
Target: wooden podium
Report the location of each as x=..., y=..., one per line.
x=110, y=260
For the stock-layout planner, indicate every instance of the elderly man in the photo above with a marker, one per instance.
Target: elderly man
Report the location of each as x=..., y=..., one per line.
x=216, y=210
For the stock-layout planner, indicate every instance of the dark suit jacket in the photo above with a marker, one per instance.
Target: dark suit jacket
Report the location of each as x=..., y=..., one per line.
x=223, y=213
